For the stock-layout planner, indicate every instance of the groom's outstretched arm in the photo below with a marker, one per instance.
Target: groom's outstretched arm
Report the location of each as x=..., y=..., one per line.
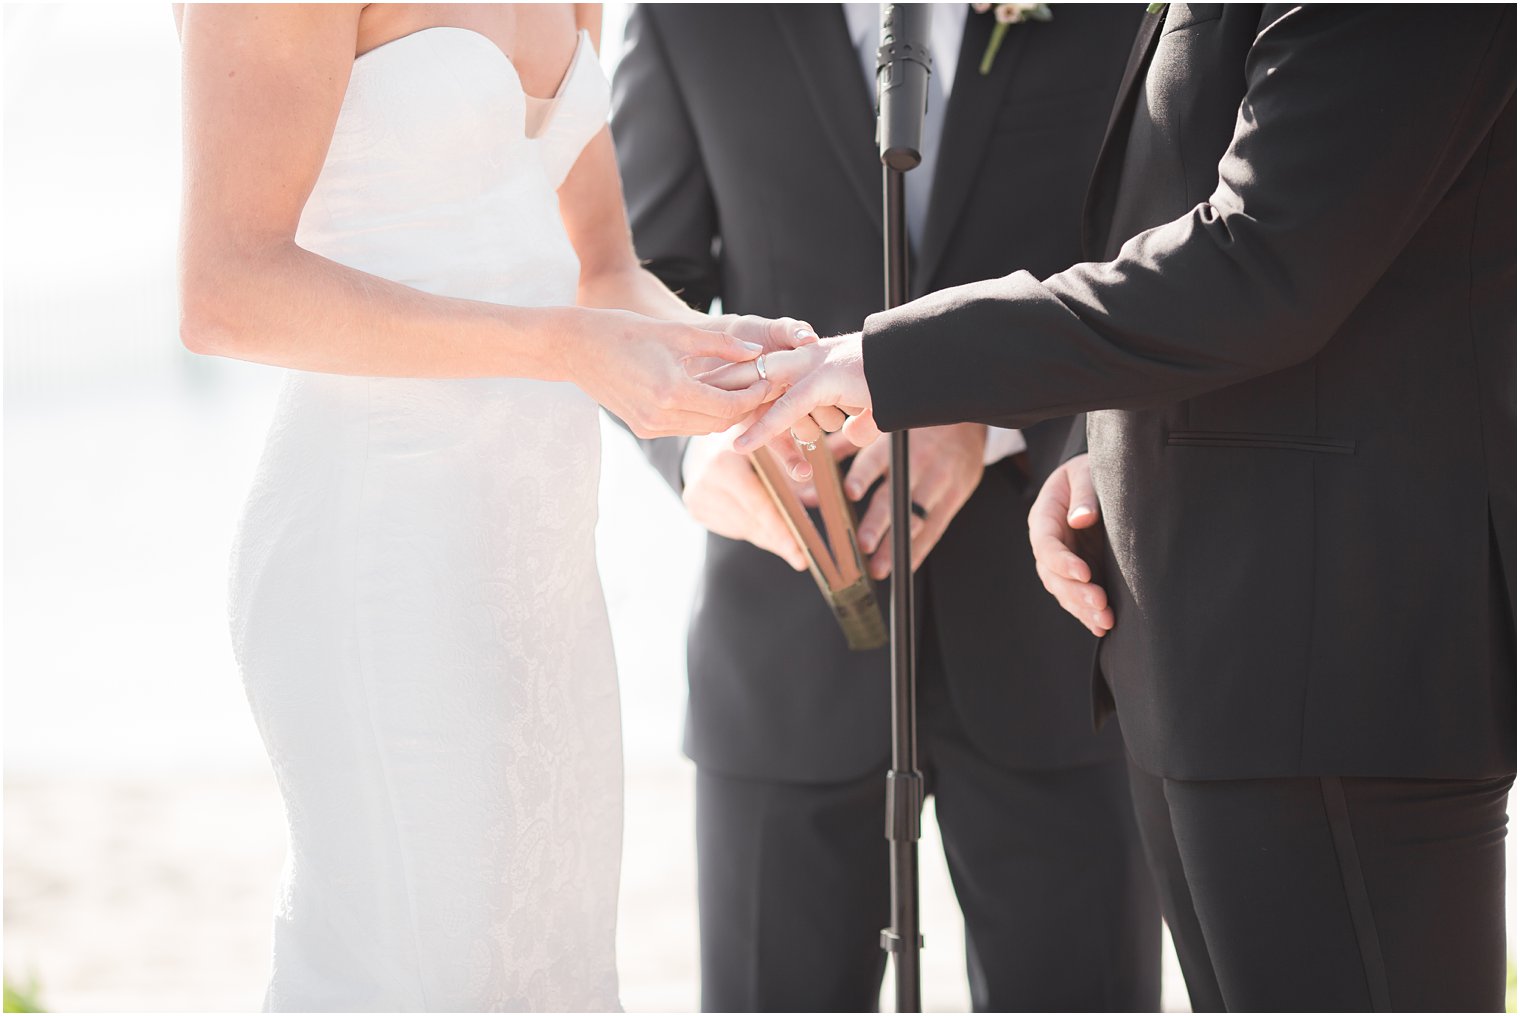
x=670, y=204
x=1356, y=121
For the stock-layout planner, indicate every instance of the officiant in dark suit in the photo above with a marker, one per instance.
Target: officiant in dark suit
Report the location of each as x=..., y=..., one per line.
x=745, y=138
x=1299, y=338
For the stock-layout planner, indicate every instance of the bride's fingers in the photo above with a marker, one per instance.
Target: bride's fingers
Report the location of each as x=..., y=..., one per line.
x=672, y=423
x=694, y=396
x=806, y=432
x=696, y=366
x=722, y=344
x=791, y=458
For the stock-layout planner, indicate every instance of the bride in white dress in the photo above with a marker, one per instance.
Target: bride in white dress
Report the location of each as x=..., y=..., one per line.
x=375, y=198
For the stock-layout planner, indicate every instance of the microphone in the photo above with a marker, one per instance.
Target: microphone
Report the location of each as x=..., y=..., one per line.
x=903, y=64
x=902, y=99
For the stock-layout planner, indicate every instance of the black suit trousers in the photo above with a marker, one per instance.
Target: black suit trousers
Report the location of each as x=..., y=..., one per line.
x=1047, y=865
x=1332, y=894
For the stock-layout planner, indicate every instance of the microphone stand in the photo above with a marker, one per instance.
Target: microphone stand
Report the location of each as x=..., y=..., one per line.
x=902, y=82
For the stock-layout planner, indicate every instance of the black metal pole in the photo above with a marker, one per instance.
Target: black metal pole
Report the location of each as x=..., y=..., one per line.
x=902, y=74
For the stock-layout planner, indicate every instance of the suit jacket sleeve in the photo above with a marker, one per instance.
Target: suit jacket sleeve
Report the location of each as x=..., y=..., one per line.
x=670, y=204
x=1355, y=121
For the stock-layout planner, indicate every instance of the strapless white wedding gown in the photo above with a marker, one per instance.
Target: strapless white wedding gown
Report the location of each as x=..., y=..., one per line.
x=415, y=601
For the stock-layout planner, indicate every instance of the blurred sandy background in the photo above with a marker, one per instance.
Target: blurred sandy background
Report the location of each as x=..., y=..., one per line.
x=142, y=832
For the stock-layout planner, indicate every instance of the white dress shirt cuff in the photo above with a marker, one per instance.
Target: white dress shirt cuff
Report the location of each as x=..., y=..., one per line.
x=1001, y=443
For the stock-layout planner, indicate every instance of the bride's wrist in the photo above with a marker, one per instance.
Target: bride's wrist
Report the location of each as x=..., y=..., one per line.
x=564, y=336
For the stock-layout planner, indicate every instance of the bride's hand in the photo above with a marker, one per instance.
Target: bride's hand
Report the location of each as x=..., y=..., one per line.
x=637, y=367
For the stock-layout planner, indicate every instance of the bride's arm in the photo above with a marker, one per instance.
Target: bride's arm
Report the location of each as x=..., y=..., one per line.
x=591, y=204
x=263, y=85
x=596, y=220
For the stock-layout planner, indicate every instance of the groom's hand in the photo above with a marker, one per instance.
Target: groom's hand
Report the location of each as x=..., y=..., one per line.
x=944, y=468
x=723, y=493
x=824, y=383
x=1066, y=537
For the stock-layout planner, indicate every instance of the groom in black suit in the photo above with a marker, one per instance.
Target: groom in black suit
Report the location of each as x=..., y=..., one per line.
x=1299, y=328
x=745, y=137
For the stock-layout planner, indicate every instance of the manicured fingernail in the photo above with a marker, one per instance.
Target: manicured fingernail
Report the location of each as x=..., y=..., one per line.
x=803, y=333
x=853, y=489
x=1098, y=620
x=868, y=539
x=1081, y=511
x=1091, y=599
x=752, y=346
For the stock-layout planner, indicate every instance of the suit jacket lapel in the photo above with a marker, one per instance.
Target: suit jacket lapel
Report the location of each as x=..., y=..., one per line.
x=1097, y=210
x=829, y=69
x=969, y=116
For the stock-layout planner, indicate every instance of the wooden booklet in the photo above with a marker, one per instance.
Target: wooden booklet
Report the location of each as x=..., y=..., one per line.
x=834, y=558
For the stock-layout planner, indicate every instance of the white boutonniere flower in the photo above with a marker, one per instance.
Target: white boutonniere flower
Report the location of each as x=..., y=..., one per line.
x=1006, y=15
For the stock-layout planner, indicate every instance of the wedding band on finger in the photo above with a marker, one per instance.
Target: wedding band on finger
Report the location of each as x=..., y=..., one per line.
x=760, y=366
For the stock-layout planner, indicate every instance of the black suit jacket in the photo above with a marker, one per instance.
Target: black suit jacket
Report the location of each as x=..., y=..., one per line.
x=745, y=135
x=1303, y=341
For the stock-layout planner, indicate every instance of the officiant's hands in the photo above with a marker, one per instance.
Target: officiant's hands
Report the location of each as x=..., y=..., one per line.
x=1066, y=536
x=945, y=466
x=723, y=493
